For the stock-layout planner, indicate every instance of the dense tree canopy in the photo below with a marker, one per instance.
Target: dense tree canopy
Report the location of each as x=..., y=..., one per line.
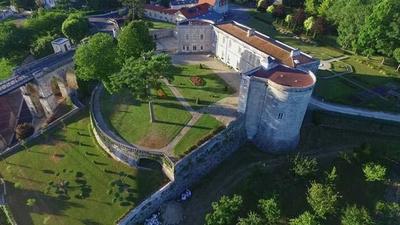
x=97, y=59
x=225, y=211
x=388, y=213
x=24, y=4
x=5, y=68
x=135, y=7
x=46, y=22
x=76, y=27
x=138, y=74
x=312, y=6
x=41, y=47
x=14, y=41
x=134, y=39
x=396, y=56
x=381, y=31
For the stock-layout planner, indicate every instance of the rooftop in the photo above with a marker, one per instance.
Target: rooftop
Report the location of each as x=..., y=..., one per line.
x=281, y=52
x=285, y=76
x=184, y=2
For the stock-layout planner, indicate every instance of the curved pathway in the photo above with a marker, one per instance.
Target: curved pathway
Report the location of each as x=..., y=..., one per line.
x=354, y=111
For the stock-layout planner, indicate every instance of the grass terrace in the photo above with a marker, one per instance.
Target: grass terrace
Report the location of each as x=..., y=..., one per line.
x=209, y=90
x=205, y=127
x=130, y=117
x=72, y=181
x=157, y=24
x=368, y=72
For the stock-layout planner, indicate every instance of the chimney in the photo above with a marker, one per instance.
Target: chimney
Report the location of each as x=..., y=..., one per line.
x=250, y=32
x=268, y=63
x=294, y=52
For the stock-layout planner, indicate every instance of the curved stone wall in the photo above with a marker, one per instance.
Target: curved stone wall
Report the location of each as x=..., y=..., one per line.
x=116, y=146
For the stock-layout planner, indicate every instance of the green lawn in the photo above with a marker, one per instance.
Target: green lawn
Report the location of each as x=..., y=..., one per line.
x=250, y=174
x=130, y=118
x=157, y=24
x=73, y=180
x=204, y=127
x=367, y=71
x=214, y=89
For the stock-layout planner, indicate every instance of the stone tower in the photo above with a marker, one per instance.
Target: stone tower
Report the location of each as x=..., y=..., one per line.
x=274, y=100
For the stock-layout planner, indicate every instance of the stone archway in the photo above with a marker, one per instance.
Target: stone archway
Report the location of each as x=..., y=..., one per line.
x=149, y=164
x=32, y=98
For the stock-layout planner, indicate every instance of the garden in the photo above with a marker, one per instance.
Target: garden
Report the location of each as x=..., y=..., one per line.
x=65, y=178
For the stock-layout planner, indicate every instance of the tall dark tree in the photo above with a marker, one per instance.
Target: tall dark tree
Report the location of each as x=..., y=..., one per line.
x=134, y=39
x=135, y=8
x=14, y=41
x=225, y=211
x=298, y=17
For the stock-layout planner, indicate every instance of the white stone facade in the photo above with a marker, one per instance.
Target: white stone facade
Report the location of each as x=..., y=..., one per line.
x=195, y=37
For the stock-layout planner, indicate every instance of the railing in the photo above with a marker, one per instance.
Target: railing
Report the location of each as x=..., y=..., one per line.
x=117, y=144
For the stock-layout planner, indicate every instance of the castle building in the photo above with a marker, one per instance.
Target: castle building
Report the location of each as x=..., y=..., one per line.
x=277, y=79
x=182, y=10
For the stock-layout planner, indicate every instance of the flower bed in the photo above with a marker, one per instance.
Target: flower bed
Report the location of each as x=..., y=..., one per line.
x=197, y=81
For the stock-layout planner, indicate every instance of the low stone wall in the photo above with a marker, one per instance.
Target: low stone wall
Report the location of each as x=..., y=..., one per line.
x=162, y=33
x=190, y=169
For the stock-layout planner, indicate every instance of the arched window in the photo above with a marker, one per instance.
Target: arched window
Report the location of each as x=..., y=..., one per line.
x=201, y=36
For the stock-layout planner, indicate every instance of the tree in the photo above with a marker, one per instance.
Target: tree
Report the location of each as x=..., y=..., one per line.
x=14, y=42
x=97, y=59
x=324, y=7
x=279, y=12
x=135, y=8
x=45, y=22
x=318, y=26
x=5, y=68
x=374, y=172
x=139, y=74
x=305, y=219
x=353, y=215
x=298, y=17
x=349, y=16
x=309, y=24
x=270, y=9
x=381, y=33
x=251, y=219
x=42, y=47
x=224, y=211
x=304, y=166
x=270, y=210
x=331, y=176
x=293, y=3
x=262, y=5
x=322, y=199
x=134, y=39
x=396, y=56
x=311, y=6
x=289, y=20
x=24, y=130
x=388, y=213
x=30, y=202
x=75, y=27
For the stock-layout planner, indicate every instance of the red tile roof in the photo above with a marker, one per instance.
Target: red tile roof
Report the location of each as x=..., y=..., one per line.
x=195, y=11
x=271, y=47
x=159, y=8
x=286, y=76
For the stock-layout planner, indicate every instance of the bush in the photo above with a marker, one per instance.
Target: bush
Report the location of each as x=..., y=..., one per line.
x=31, y=202
x=270, y=210
x=374, y=172
x=353, y=215
x=322, y=199
x=24, y=130
x=388, y=213
x=225, y=211
x=304, y=166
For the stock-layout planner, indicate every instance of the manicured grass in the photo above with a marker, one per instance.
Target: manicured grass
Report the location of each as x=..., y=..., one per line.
x=214, y=89
x=204, y=127
x=130, y=118
x=250, y=173
x=367, y=71
x=161, y=24
x=97, y=189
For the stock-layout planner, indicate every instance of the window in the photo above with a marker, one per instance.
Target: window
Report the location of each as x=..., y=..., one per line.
x=187, y=36
x=201, y=36
x=201, y=47
x=183, y=48
x=194, y=47
x=280, y=116
x=187, y=48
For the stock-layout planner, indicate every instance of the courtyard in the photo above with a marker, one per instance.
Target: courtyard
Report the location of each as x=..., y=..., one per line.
x=185, y=113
